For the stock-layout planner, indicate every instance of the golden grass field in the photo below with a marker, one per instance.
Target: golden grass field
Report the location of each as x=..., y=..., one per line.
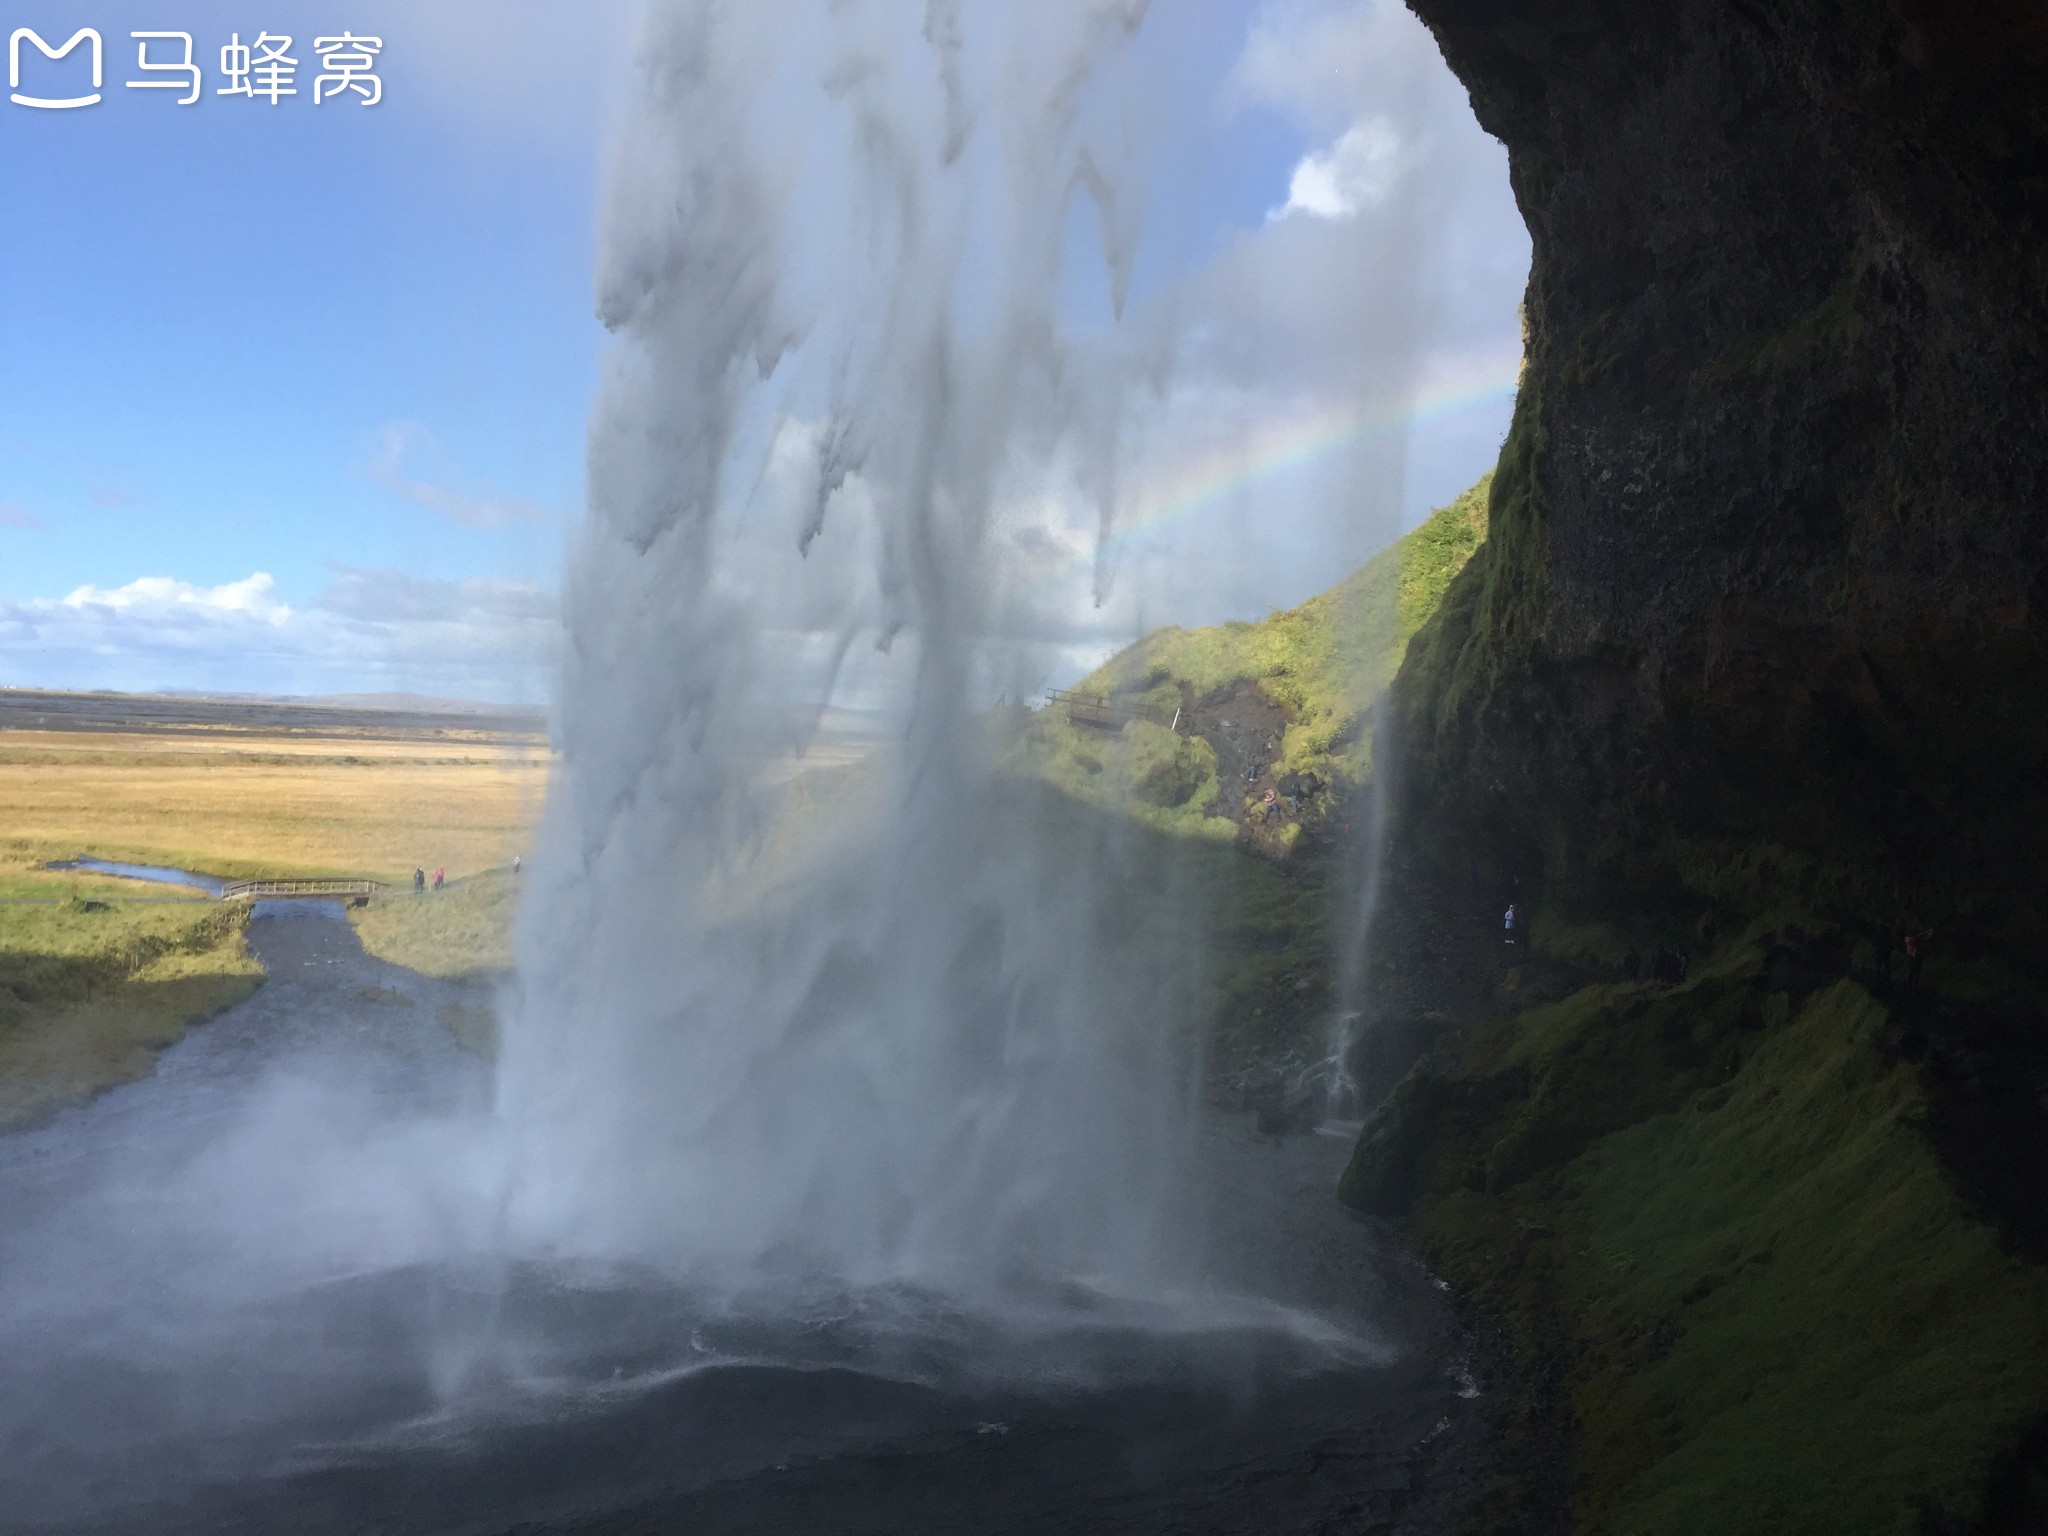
x=236, y=803
x=98, y=974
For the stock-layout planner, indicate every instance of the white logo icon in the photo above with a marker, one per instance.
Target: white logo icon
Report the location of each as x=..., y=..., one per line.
x=14, y=68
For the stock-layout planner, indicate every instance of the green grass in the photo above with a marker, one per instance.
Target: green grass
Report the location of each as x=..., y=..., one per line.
x=1267, y=940
x=461, y=930
x=1325, y=661
x=92, y=989
x=1712, y=1209
x=1142, y=771
x=24, y=880
x=1847, y=1347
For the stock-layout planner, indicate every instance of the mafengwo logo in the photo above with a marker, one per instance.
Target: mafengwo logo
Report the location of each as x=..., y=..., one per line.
x=68, y=74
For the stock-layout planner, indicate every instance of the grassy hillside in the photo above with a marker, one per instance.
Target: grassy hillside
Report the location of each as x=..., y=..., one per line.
x=1285, y=698
x=1325, y=661
x=1226, y=715
x=1714, y=1220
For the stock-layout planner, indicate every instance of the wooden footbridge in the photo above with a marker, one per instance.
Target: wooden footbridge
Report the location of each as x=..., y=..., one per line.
x=1103, y=713
x=359, y=891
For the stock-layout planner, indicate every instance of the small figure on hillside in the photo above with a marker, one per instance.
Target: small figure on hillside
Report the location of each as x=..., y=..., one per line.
x=515, y=864
x=419, y=882
x=440, y=875
x=1684, y=966
x=1513, y=922
x=1913, y=943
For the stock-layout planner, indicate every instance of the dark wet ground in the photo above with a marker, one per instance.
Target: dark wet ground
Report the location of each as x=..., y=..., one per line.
x=254, y=1293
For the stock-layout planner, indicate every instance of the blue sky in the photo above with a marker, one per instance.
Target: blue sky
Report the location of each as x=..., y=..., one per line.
x=352, y=349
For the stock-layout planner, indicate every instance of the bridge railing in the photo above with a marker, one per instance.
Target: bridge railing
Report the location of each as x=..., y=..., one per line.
x=1103, y=713
x=254, y=889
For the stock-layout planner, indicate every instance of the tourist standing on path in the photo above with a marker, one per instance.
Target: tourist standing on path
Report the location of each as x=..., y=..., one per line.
x=515, y=864
x=440, y=874
x=419, y=882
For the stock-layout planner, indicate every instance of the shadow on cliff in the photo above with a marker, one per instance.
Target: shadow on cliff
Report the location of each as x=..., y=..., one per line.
x=1751, y=666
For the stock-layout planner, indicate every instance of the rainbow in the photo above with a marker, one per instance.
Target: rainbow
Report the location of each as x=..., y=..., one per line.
x=1292, y=443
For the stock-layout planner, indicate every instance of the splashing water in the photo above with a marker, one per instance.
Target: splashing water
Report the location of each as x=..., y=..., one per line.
x=952, y=1056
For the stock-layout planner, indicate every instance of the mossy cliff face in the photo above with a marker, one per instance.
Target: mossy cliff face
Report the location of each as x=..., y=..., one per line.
x=1753, y=664
x=1762, y=610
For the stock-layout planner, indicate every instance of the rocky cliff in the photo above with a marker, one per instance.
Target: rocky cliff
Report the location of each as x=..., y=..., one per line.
x=1753, y=666
x=1764, y=606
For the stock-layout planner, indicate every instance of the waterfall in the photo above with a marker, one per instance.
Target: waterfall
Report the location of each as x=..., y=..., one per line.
x=953, y=1052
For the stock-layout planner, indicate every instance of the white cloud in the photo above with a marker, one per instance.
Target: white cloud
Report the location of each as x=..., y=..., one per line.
x=1321, y=62
x=1353, y=174
x=163, y=597
x=404, y=444
x=369, y=631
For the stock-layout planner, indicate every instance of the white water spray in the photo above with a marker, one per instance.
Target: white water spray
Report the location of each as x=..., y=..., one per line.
x=955, y=1056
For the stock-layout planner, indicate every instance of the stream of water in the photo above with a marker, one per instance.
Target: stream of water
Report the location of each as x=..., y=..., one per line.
x=155, y=874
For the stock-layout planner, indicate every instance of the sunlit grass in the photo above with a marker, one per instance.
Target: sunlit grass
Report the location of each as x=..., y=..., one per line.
x=464, y=930
x=241, y=805
x=1323, y=662
x=90, y=993
x=91, y=989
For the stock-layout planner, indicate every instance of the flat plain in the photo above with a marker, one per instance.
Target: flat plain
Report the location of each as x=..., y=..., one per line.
x=241, y=789
x=98, y=974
